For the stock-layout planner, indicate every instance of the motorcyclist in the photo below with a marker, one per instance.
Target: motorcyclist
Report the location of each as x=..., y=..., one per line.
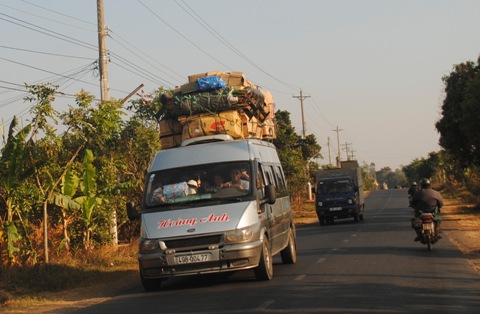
x=427, y=200
x=413, y=188
x=411, y=191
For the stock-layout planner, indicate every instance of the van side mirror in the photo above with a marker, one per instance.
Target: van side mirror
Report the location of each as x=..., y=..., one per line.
x=270, y=194
x=132, y=214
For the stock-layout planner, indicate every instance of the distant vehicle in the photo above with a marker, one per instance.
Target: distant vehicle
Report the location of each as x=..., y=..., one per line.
x=339, y=193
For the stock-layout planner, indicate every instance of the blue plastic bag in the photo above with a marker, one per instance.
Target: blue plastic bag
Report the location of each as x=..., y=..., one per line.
x=210, y=82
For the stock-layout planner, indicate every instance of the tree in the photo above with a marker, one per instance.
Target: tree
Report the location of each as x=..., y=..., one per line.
x=294, y=153
x=458, y=127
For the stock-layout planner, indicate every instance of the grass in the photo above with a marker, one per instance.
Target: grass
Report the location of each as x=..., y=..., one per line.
x=85, y=269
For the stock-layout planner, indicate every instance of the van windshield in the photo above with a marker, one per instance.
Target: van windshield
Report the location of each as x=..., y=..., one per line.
x=198, y=183
x=334, y=186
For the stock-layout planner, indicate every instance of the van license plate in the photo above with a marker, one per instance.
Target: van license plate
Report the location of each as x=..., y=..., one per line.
x=335, y=209
x=194, y=258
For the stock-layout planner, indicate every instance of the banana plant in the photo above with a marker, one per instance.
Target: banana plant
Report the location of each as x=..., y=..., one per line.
x=12, y=165
x=64, y=201
x=89, y=199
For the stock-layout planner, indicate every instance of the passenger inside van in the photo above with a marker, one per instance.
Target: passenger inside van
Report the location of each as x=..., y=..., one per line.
x=192, y=187
x=237, y=181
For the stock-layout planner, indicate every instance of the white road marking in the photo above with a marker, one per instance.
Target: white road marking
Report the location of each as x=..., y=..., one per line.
x=265, y=304
x=321, y=260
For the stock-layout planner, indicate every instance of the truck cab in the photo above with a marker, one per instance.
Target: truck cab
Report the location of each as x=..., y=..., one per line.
x=339, y=194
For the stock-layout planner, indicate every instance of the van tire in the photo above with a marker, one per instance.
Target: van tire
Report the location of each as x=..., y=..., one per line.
x=289, y=253
x=264, y=271
x=151, y=284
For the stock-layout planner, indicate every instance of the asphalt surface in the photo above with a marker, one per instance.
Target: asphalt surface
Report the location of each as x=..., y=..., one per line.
x=372, y=266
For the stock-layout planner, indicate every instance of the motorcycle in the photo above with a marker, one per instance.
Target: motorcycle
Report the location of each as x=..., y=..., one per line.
x=428, y=231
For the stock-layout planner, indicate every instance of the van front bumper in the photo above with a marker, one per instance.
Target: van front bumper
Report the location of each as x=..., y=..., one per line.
x=230, y=257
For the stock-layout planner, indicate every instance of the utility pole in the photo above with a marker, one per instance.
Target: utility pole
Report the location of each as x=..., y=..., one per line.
x=347, y=151
x=352, y=154
x=338, y=145
x=329, y=157
x=102, y=50
x=301, y=97
x=104, y=92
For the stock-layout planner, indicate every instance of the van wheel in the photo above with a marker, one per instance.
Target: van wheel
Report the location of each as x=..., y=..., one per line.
x=322, y=221
x=289, y=254
x=264, y=271
x=151, y=284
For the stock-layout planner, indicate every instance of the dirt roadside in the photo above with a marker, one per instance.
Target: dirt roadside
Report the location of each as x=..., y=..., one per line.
x=461, y=224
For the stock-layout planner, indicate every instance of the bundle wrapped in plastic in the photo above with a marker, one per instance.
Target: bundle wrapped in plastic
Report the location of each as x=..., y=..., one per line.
x=198, y=103
x=210, y=82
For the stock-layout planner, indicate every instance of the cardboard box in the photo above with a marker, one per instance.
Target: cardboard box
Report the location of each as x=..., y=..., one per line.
x=227, y=122
x=251, y=127
x=170, y=141
x=269, y=130
x=234, y=79
x=169, y=127
x=194, y=77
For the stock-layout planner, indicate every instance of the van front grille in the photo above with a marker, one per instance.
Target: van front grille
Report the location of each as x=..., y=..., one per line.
x=194, y=242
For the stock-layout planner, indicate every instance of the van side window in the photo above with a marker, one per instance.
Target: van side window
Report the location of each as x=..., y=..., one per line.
x=280, y=179
x=269, y=178
x=260, y=187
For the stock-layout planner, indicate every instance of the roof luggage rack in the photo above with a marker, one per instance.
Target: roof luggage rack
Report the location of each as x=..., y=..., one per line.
x=207, y=139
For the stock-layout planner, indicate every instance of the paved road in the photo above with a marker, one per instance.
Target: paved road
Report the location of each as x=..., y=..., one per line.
x=366, y=267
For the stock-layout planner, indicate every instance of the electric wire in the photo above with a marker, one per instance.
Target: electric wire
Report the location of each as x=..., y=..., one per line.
x=227, y=43
x=59, y=13
x=152, y=74
x=183, y=36
x=45, y=32
x=179, y=77
x=45, y=53
x=42, y=70
x=146, y=74
x=45, y=18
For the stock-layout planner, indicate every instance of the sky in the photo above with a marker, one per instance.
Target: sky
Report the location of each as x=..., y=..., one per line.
x=371, y=69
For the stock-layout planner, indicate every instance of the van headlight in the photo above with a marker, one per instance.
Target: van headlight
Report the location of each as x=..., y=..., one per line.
x=149, y=246
x=320, y=203
x=350, y=201
x=239, y=235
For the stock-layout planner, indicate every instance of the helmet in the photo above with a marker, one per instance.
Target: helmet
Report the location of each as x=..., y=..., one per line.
x=425, y=183
x=414, y=183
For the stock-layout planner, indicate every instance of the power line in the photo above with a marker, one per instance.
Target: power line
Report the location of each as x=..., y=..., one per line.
x=43, y=70
x=43, y=17
x=129, y=63
x=179, y=77
x=227, y=43
x=47, y=31
x=59, y=13
x=183, y=36
x=45, y=53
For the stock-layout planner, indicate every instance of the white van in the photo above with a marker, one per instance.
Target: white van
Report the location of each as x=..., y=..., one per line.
x=192, y=225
